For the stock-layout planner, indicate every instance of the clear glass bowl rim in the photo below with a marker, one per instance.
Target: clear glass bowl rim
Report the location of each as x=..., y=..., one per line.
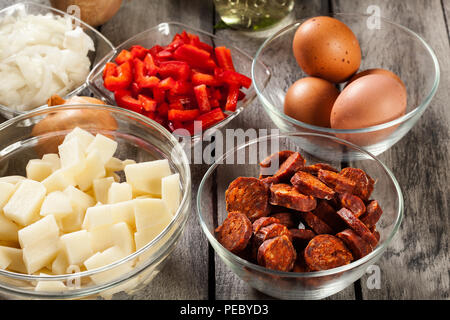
x=178, y=216
x=417, y=110
x=84, y=85
x=237, y=260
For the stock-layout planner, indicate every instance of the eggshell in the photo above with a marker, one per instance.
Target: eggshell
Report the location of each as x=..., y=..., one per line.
x=368, y=101
x=325, y=47
x=375, y=71
x=310, y=100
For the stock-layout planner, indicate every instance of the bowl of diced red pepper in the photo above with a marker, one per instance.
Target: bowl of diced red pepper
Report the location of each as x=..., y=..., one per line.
x=180, y=77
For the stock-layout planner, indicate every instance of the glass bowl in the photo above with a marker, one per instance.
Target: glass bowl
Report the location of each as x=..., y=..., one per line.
x=245, y=162
x=103, y=47
x=163, y=34
x=391, y=46
x=139, y=139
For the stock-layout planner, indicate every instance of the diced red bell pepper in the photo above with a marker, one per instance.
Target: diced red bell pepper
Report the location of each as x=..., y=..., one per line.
x=167, y=84
x=159, y=94
x=179, y=70
x=163, y=109
x=148, y=104
x=155, y=49
x=138, y=51
x=201, y=95
x=204, y=78
x=174, y=44
x=211, y=118
x=109, y=70
x=195, y=40
x=164, y=54
x=150, y=65
x=223, y=56
x=232, y=98
x=233, y=78
x=194, y=56
x=125, y=100
x=120, y=79
x=140, y=76
x=214, y=103
x=124, y=56
x=135, y=89
x=181, y=88
x=241, y=95
x=183, y=115
x=177, y=105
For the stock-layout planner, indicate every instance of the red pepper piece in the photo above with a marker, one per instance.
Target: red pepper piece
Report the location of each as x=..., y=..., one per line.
x=177, y=105
x=150, y=65
x=195, y=40
x=125, y=100
x=241, y=95
x=214, y=103
x=164, y=54
x=183, y=115
x=155, y=49
x=159, y=95
x=232, y=98
x=179, y=70
x=181, y=88
x=174, y=44
x=216, y=94
x=211, y=118
x=121, y=79
x=233, y=78
x=163, y=110
x=185, y=37
x=109, y=70
x=124, y=56
x=138, y=51
x=135, y=89
x=201, y=95
x=148, y=104
x=194, y=56
x=167, y=84
x=223, y=56
x=199, y=78
x=140, y=76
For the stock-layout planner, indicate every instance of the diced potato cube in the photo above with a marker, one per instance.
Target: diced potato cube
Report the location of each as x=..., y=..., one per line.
x=94, y=169
x=119, y=192
x=50, y=285
x=60, y=264
x=53, y=160
x=23, y=206
x=77, y=246
x=40, y=254
x=118, y=234
x=6, y=191
x=127, y=162
x=38, y=170
x=72, y=156
x=145, y=177
x=114, y=164
x=171, y=193
x=56, y=203
x=85, y=138
x=97, y=216
x=12, y=179
x=101, y=187
x=43, y=229
x=104, y=258
x=80, y=203
x=105, y=146
x=14, y=256
x=5, y=259
x=124, y=212
x=8, y=229
x=58, y=180
x=151, y=213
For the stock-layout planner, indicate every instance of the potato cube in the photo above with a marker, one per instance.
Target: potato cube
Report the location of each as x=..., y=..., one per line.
x=14, y=257
x=124, y=212
x=104, y=258
x=119, y=192
x=94, y=169
x=23, y=206
x=114, y=164
x=105, y=146
x=5, y=259
x=38, y=170
x=85, y=138
x=97, y=216
x=58, y=180
x=56, y=203
x=40, y=254
x=72, y=156
x=53, y=160
x=171, y=193
x=77, y=246
x=8, y=229
x=151, y=213
x=118, y=234
x=145, y=177
x=6, y=191
x=101, y=187
x=50, y=285
x=60, y=264
x=43, y=229
x=80, y=203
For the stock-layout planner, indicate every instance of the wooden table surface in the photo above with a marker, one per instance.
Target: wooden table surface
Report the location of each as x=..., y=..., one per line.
x=416, y=264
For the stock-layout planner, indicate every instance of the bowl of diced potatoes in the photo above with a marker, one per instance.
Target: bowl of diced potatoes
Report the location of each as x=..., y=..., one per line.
x=92, y=200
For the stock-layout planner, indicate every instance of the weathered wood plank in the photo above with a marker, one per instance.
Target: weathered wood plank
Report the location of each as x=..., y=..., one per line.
x=416, y=264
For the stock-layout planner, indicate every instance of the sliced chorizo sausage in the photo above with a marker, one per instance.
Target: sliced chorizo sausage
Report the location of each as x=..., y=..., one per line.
x=363, y=182
x=277, y=254
x=301, y=237
x=372, y=215
x=276, y=158
x=314, y=168
x=325, y=252
x=235, y=232
x=287, y=196
x=339, y=183
x=287, y=169
x=355, y=243
x=311, y=186
x=285, y=219
x=249, y=196
x=358, y=226
x=263, y=222
x=327, y=214
x=316, y=224
x=353, y=203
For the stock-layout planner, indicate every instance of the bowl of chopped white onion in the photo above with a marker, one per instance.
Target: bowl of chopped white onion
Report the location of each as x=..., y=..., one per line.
x=44, y=51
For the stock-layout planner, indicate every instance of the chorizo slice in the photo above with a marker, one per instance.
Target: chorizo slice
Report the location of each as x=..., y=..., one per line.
x=287, y=196
x=325, y=252
x=277, y=254
x=327, y=214
x=358, y=226
x=287, y=169
x=301, y=237
x=249, y=196
x=285, y=219
x=363, y=182
x=311, y=186
x=353, y=203
x=339, y=183
x=372, y=215
x=316, y=224
x=276, y=158
x=357, y=246
x=271, y=231
x=263, y=222
x=314, y=168
x=235, y=232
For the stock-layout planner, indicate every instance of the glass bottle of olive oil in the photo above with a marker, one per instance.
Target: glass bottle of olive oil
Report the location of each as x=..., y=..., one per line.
x=253, y=15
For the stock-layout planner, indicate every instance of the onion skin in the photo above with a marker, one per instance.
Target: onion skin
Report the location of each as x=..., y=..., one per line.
x=67, y=120
x=94, y=13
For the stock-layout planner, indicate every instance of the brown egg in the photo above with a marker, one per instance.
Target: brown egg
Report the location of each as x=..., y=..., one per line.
x=368, y=101
x=375, y=71
x=325, y=47
x=310, y=100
